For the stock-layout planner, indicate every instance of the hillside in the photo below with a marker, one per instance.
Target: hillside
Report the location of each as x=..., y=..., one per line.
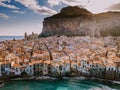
x=108, y=23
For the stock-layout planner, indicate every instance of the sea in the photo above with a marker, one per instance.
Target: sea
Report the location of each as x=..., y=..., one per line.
x=59, y=85
x=3, y=38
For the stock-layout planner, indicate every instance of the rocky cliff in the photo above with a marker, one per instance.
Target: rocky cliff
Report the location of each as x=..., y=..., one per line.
x=75, y=21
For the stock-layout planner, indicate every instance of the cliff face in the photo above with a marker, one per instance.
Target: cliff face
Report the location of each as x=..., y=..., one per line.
x=75, y=21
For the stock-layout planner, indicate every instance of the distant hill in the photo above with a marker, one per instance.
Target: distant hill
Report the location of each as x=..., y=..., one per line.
x=108, y=23
x=75, y=21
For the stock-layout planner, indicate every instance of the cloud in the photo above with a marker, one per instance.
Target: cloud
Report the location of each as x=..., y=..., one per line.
x=5, y=0
x=44, y=11
x=19, y=12
x=33, y=5
x=71, y=2
x=53, y=3
x=95, y=6
x=6, y=5
x=67, y=2
x=4, y=16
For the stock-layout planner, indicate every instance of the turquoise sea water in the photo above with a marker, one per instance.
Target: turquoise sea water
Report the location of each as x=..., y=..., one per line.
x=2, y=38
x=59, y=85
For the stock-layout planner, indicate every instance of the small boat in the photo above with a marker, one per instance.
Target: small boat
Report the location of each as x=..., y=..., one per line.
x=1, y=84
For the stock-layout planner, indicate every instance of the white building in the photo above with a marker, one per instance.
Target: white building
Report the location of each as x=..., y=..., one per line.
x=17, y=69
x=111, y=67
x=84, y=65
x=5, y=67
x=29, y=69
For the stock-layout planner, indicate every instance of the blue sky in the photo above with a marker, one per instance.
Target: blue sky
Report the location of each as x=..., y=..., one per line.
x=19, y=16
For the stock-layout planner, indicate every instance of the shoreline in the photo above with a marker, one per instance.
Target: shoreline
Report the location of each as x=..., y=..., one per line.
x=66, y=78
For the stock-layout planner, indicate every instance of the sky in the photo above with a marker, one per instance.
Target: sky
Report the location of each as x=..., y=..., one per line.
x=20, y=16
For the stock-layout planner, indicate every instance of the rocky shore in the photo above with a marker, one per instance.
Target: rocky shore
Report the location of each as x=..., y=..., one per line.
x=68, y=78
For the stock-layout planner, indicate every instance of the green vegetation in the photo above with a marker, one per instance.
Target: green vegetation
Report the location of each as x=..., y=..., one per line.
x=60, y=34
x=59, y=15
x=111, y=32
x=42, y=35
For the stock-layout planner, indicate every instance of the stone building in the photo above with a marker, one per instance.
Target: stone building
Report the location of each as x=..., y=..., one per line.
x=38, y=68
x=31, y=36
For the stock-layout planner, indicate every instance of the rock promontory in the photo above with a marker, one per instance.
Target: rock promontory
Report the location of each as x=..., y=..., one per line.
x=76, y=21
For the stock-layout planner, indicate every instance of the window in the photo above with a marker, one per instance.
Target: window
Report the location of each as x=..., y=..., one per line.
x=96, y=65
x=112, y=69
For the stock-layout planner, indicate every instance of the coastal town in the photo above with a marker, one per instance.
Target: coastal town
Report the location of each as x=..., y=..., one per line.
x=61, y=56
